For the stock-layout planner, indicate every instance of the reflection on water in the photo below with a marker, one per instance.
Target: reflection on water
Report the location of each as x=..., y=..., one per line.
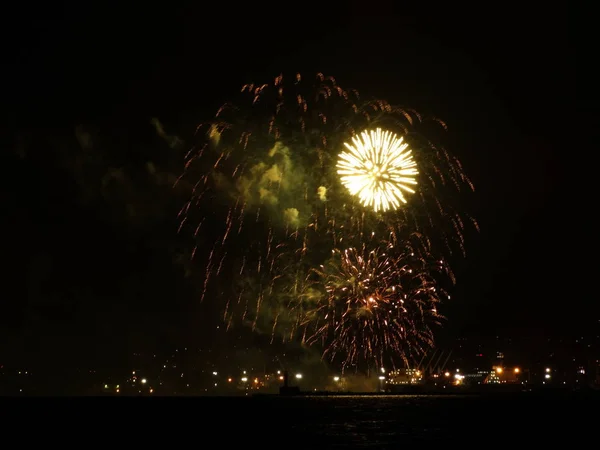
x=381, y=421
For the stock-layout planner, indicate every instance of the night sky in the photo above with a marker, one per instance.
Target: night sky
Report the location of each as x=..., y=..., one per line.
x=85, y=272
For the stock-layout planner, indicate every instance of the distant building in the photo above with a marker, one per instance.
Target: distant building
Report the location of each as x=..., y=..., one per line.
x=405, y=376
x=501, y=375
x=477, y=377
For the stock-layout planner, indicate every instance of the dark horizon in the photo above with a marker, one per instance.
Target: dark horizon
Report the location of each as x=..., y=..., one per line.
x=85, y=259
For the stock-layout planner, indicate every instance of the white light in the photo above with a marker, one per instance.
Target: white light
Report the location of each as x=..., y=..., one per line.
x=378, y=168
x=299, y=376
x=144, y=381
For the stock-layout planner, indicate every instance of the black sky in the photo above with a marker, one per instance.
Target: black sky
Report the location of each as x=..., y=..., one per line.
x=502, y=79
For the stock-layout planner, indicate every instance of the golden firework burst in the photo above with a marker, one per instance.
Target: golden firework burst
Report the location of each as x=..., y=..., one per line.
x=378, y=168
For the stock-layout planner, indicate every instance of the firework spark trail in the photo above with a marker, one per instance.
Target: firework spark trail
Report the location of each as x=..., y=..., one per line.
x=379, y=305
x=270, y=201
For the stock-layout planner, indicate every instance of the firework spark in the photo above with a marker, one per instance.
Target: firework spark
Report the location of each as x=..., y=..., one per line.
x=379, y=305
x=378, y=168
x=267, y=204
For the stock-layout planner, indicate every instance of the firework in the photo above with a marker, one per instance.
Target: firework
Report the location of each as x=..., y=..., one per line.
x=378, y=306
x=378, y=168
x=268, y=205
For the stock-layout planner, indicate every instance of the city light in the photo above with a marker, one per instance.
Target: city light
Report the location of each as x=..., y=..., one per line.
x=501, y=373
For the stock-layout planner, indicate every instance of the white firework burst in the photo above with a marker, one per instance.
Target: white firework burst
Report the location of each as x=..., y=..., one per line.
x=379, y=169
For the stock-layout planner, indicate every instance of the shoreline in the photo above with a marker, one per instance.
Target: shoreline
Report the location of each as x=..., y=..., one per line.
x=475, y=392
